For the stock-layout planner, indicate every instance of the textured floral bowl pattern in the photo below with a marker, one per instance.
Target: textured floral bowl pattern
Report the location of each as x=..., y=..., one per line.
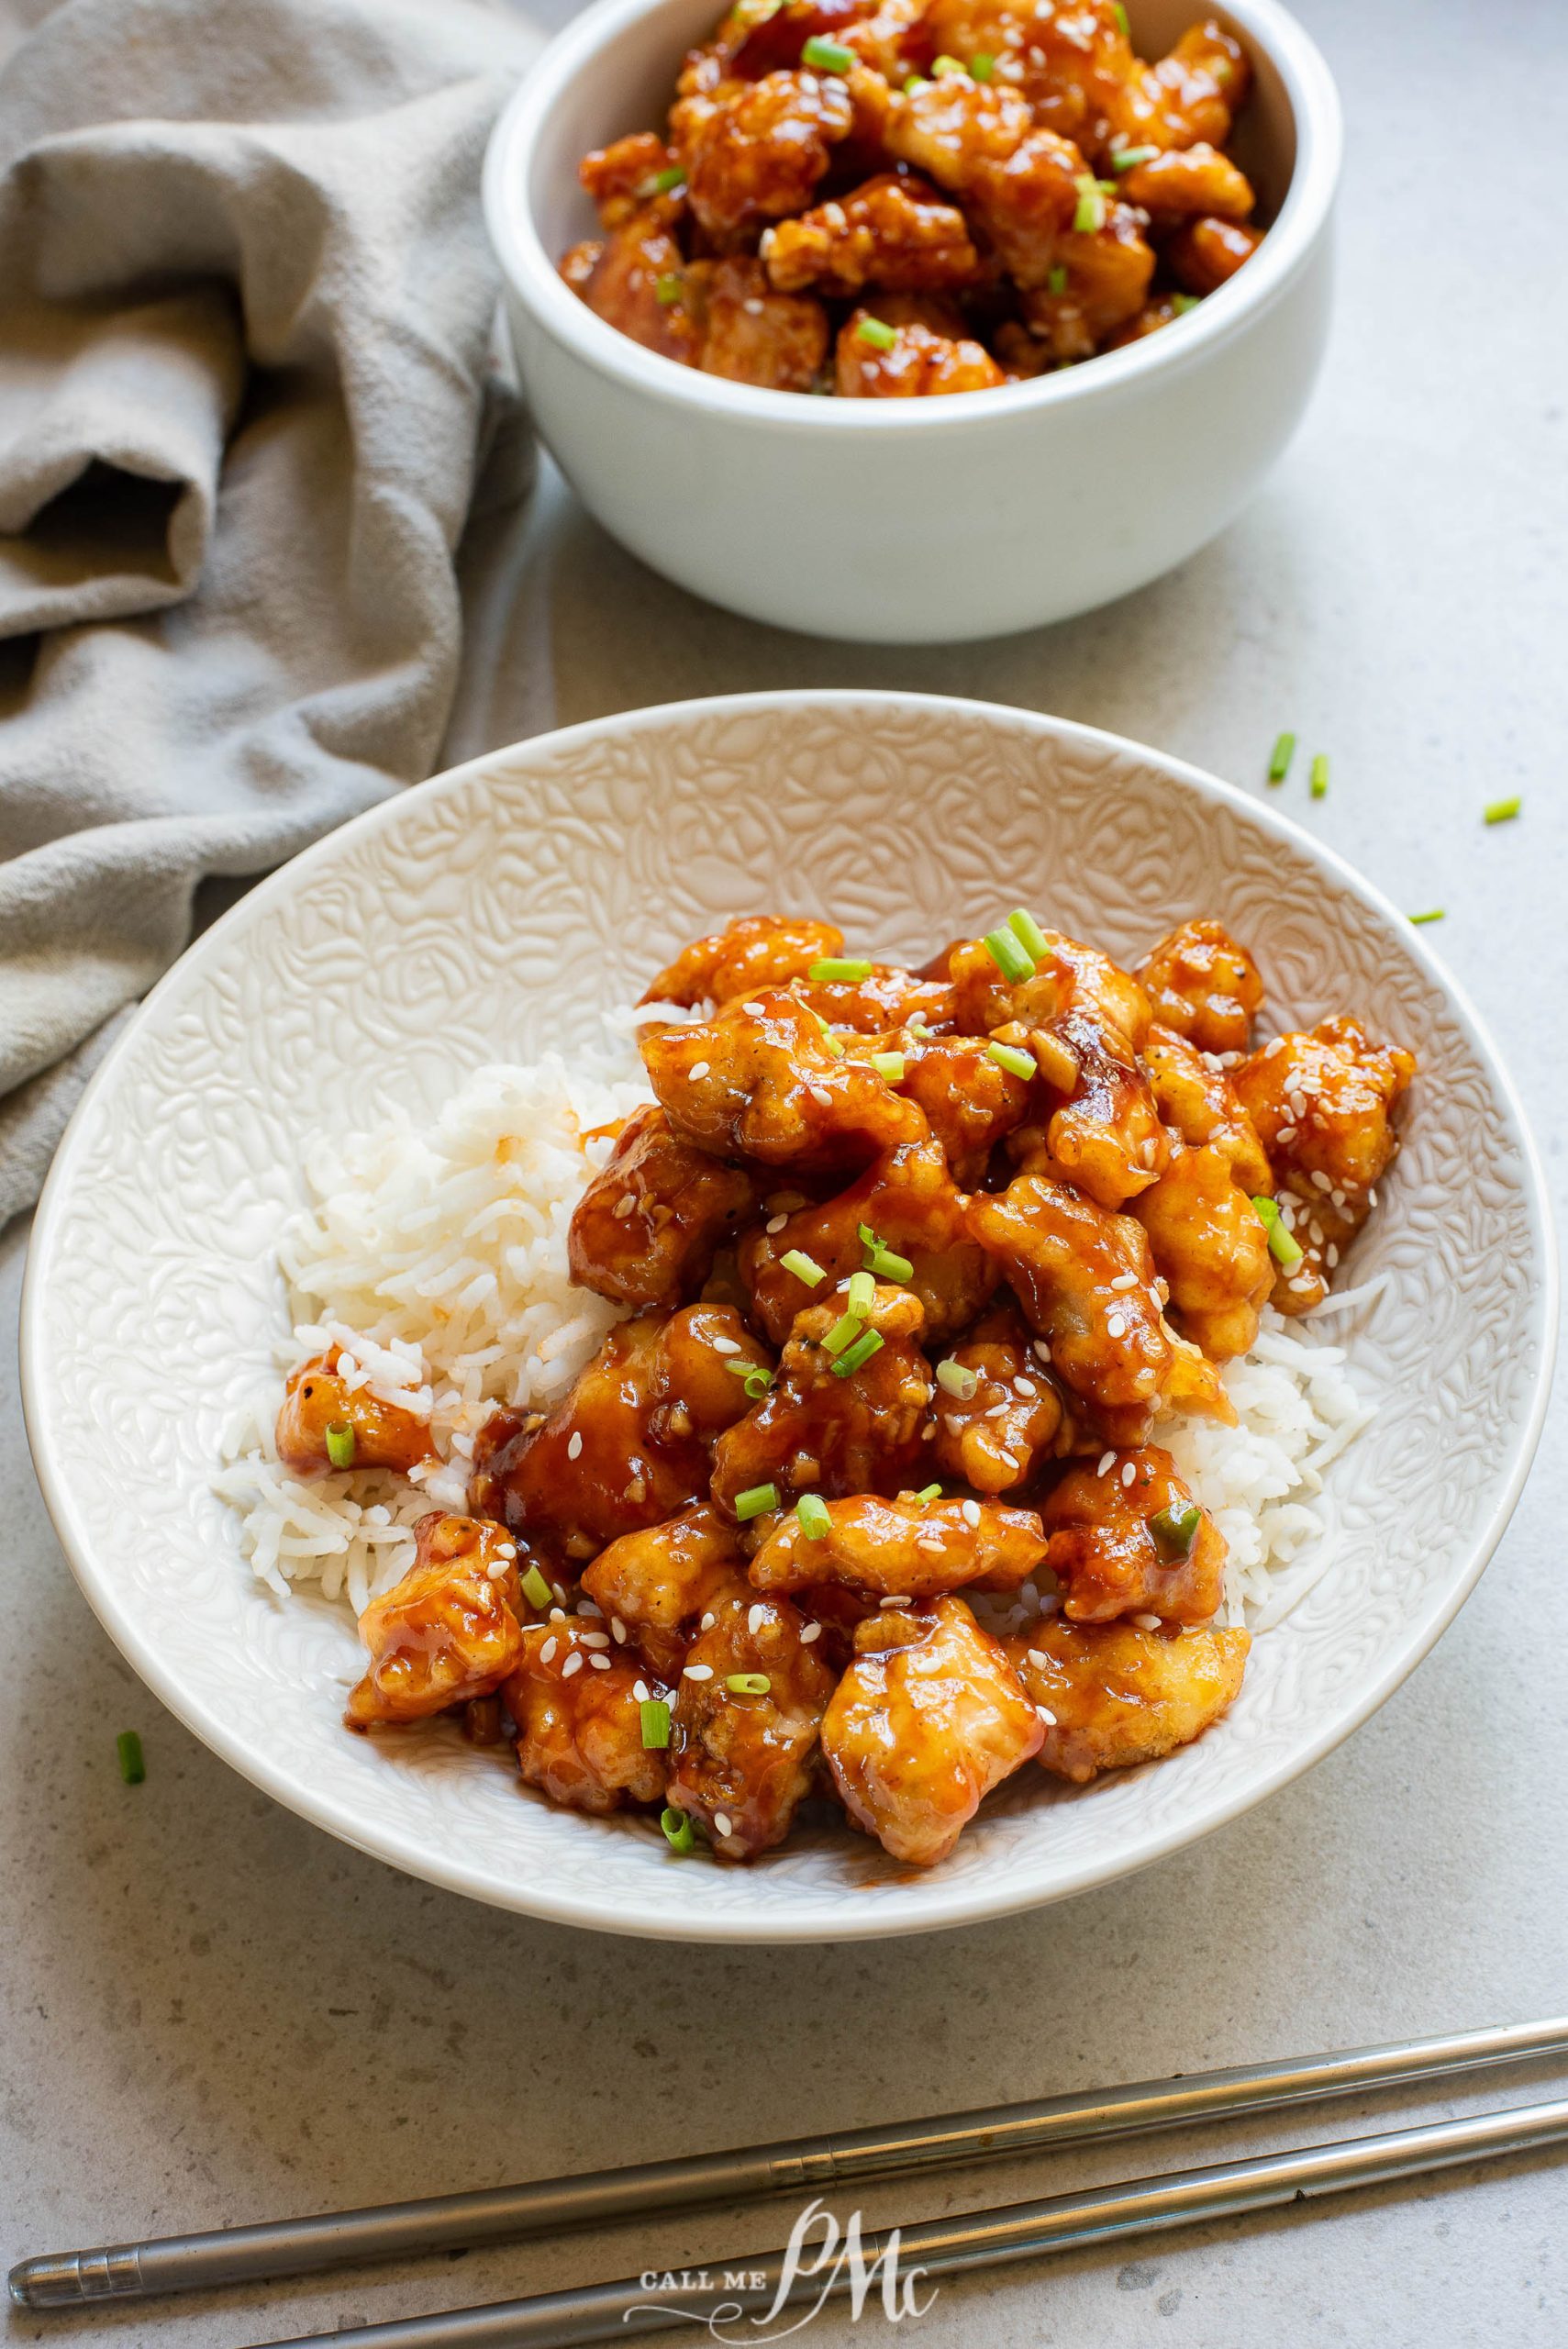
x=486, y=915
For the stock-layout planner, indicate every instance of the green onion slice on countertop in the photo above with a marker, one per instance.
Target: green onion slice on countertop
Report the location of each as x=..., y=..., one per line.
x=133, y=1765
x=1281, y=756
x=1433, y=913
x=1319, y=784
x=1502, y=811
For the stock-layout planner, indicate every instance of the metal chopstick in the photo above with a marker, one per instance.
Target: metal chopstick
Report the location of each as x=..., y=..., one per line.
x=503, y=2213
x=948, y=2247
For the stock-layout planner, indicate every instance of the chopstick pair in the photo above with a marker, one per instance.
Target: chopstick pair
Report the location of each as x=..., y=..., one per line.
x=809, y=2165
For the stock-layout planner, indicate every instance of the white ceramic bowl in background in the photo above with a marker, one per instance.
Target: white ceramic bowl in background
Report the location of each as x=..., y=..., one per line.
x=913, y=521
x=489, y=914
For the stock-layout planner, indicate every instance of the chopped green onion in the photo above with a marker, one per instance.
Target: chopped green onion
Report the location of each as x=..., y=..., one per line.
x=1029, y=933
x=844, y=1332
x=1090, y=217
x=679, y=1833
x=1123, y=27
x=827, y=56
x=805, y=1268
x=1281, y=756
x=1183, y=303
x=754, y=1376
x=872, y=331
x=849, y=968
x=341, y=1444
x=1056, y=282
x=931, y=1492
x=811, y=1510
x=1127, y=159
x=747, y=1684
x=535, y=1590
x=1283, y=1248
x=669, y=288
x=1318, y=786
x=673, y=176
x=133, y=1768
x=981, y=67
x=1107, y=188
x=827, y=1037
x=882, y=1260
x=755, y=1501
x=655, y=1715
x=945, y=65
x=1438, y=913
x=916, y=82
x=958, y=1380
x=862, y=1293
x=859, y=1355
x=889, y=1065
x=1502, y=811
x=1008, y=1056
x=1011, y=958
x=1174, y=1530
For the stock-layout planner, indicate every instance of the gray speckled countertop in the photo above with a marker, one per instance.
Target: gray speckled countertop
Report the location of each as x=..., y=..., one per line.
x=212, y=2012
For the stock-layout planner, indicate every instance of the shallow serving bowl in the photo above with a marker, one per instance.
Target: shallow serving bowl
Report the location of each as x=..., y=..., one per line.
x=925, y=520
x=488, y=915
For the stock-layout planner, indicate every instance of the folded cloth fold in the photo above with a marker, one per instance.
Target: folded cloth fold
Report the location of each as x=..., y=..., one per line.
x=245, y=305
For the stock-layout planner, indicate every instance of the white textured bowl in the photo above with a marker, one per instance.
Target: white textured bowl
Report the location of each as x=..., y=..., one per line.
x=485, y=915
x=913, y=521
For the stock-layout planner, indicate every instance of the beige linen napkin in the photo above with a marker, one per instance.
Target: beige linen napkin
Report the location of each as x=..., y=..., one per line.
x=245, y=311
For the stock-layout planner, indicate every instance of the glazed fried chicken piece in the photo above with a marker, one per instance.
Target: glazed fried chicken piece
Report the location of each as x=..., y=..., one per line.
x=1114, y=1696
x=1192, y=94
x=448, y=1632
x=1124, y=1540
x=979, y=140
x=1071, y=66
x=919, y=363
x=1199, y=1102
x=319, y=1402
x=1085, y=1279
x=741, y=1759
x=647, y=1227
x=928, y=1718
x=888, y=997
x=751, y=955
x=969, y=1101
x=1323, y=1102
x=1100, y=282
x=1203, y=985
x=1211, y=1249
x=997, y=1437
x=908, y=1199
x=579, y=1718
x=1204, y=254
x=1188, y=183
x=893, y=233
x=759, y=1081
x=750, y=333
x=620, y=278
x=776, y=37
x=623, y=178
x=630, y=1445
x=905, y=1548
x=1105, y=1136
x=658, y=1583
x=1068, y=977
x=816, y=1430
x=759, y=149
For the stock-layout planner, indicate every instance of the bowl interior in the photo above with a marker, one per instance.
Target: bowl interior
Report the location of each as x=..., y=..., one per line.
x=491, y=914
x=624, y=79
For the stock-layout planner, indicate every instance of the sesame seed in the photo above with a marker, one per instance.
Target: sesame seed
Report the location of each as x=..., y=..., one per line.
x=624, y=1205
x=1115, y=1326
x=755, y=1009
x=929, y=1541
x=1008, y=1460
x=557, y=1614
x=1332, y=1257
x=708, y=1620
x=1337, y=1198
x=574, y=1447
x=971, y=1512
x=1285, y=1133
x=1042, y=1352
x=726, y=1345
x=752, y=306
x=698, y=1671
x=755, y=1620
x=1320, y=1181
x=822, y=1096
x=639, y=1692
x=547, y=1653
x=572, y=1664
x=1047, y=1716
x=928, y=1431
x=1124, y=1280
x=600, y=1662
x=995, y=1411
x=1299, y=1105
x=1035, y=1655
x=812, y=1632
x=1371, y=1196
x=1025, y=1387
x=1147, y=1623
x=1128, y=1472
x=776, y=1223
x=696, y=1071
x=502, y=1568
x=721, y=1821
x=594, y=1639
x=894, y=1599
x=1107, y=1460
x=617, y=1627
x=1301, y=1284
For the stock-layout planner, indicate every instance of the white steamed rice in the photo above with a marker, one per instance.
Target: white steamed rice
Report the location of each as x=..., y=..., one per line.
x=432, y=1263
